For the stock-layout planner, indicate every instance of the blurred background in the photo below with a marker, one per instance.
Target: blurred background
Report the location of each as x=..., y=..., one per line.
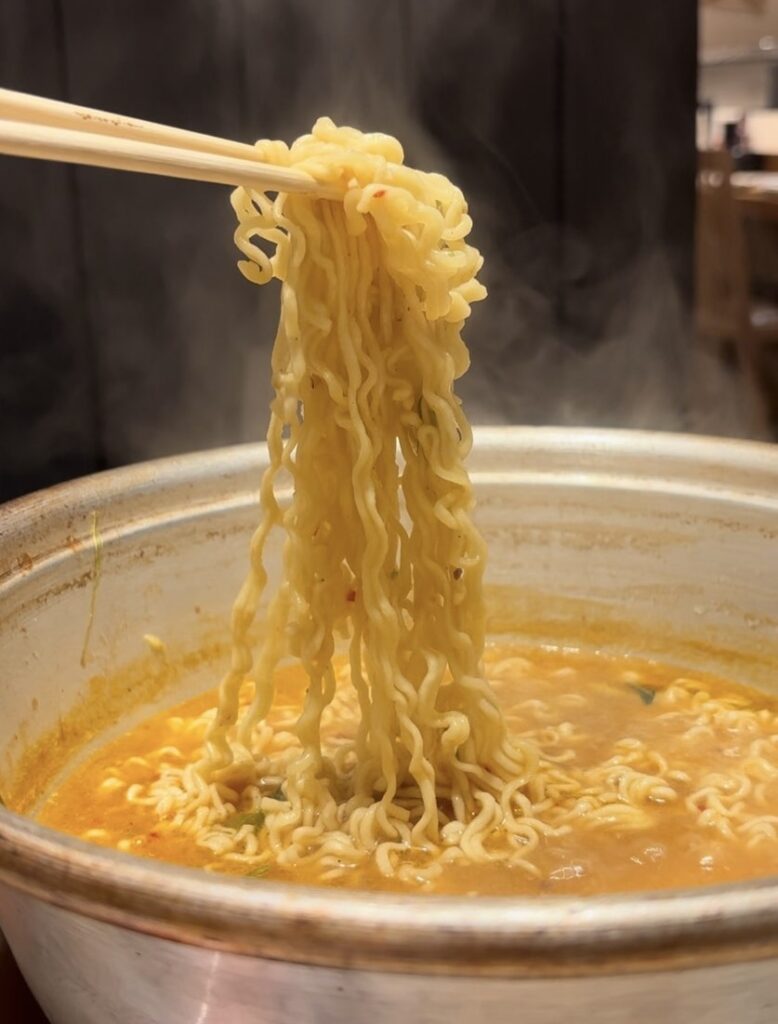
x=581, y=131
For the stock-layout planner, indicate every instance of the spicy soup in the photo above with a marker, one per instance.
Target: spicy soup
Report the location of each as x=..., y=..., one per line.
x=649, y=779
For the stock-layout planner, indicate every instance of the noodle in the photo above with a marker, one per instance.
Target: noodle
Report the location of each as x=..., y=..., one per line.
x=421, y=768
x=380, y=545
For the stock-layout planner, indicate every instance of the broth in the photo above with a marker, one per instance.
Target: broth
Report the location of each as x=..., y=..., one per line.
x=710, y=746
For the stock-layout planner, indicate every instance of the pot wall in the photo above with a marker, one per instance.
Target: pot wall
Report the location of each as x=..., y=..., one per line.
x=87, y=972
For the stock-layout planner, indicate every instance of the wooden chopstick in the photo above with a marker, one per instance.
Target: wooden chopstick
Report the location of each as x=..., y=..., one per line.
x=33, y=126
x=21, y=106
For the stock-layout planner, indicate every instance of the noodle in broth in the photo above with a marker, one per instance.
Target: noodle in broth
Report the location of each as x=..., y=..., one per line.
x=651, y=779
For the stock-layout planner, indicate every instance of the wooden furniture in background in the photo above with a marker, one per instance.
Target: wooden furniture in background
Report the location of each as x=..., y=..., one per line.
x=725, y=310
x=748, y=6
x=757, y=194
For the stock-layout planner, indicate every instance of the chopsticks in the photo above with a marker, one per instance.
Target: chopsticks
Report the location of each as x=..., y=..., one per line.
x=33, y=126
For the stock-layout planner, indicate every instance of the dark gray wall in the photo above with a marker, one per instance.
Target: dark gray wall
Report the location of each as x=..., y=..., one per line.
x=125, y=331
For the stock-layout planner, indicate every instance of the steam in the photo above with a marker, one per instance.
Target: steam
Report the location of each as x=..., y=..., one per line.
x=372, y=66
x=184, y=342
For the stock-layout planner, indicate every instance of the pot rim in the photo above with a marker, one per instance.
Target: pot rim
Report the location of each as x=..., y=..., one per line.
x=413, y=932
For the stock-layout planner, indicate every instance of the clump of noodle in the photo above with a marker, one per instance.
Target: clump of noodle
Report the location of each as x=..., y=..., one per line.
x=379, y=541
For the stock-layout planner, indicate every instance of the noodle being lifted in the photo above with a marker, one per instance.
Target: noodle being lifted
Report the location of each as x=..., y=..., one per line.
x=374, y=294
x=400, y=764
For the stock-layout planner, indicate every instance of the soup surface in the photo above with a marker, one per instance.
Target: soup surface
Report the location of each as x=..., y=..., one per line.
x=693, y=760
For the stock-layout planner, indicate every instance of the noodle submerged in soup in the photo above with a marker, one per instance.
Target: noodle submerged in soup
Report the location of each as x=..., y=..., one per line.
x=646, y=780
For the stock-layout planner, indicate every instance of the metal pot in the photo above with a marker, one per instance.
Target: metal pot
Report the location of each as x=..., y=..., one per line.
x=662, y=544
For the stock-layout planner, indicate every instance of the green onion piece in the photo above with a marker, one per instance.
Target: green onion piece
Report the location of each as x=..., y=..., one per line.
x=645, y=693
x=236, y=821
x=258, y=872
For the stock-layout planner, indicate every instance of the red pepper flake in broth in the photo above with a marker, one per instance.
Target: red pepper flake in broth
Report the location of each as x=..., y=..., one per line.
x=379, y=193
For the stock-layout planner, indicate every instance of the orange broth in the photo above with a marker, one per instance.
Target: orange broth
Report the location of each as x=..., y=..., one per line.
x=622, y=699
